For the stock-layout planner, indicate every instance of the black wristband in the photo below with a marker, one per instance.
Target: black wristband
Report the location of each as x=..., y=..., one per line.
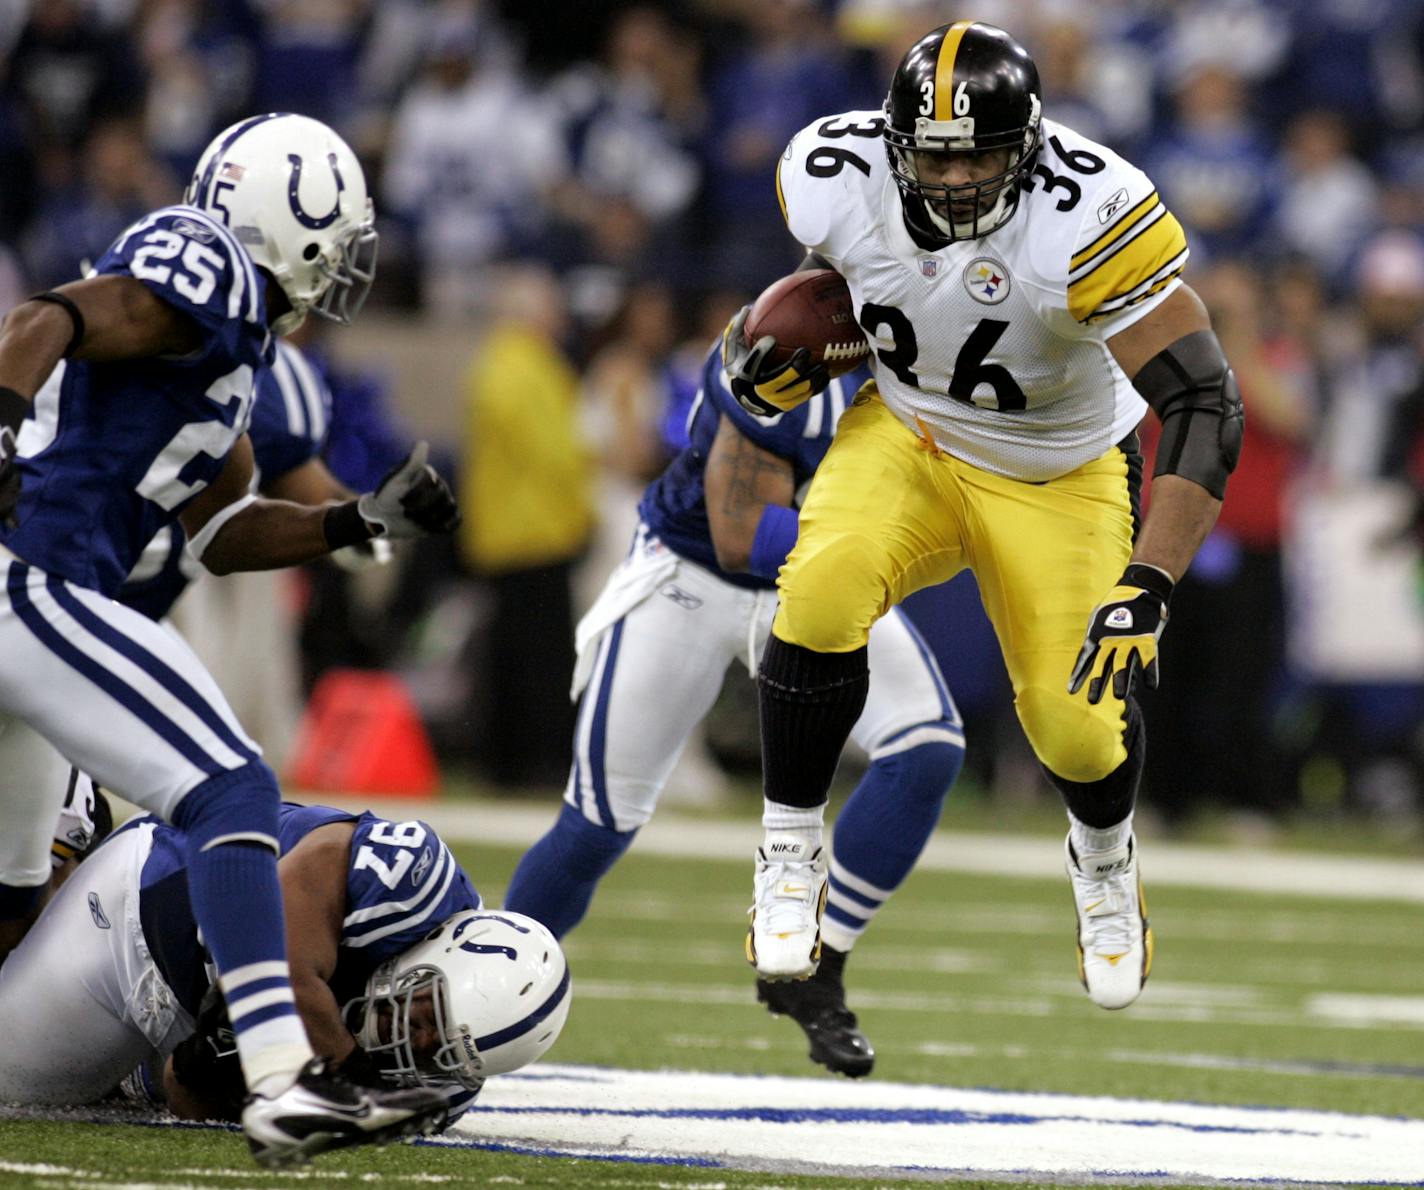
x=75, y=317
x=345, y=526
x=13, y=409
x=1149, y=578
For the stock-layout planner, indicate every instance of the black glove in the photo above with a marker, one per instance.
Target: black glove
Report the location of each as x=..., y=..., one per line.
x=367, y=1070
x=768, y=389
x=412, y=500
x=1126, y=626
x=207, y=1062
x=13, y=409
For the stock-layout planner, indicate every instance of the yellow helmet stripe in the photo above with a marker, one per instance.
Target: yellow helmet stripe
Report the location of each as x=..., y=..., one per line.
x=944, y=70
x=781, y=194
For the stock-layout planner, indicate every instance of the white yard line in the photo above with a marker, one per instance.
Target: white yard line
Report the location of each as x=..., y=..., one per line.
x=1345, y=877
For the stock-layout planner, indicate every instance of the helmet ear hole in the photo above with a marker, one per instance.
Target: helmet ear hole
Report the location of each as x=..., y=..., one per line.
x=311, y=252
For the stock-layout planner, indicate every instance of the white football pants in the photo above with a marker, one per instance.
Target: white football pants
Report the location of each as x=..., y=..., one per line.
x=654, y=651
x=85, y=1001
x=121, y=698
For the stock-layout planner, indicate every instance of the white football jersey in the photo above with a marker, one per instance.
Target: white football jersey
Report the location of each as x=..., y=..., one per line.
x=996, y=347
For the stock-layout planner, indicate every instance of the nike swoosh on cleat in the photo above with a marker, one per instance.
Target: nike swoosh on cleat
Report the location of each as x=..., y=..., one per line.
x=1111, y=959
x=347, y=1113
x=1094, y=905
x=792, y=889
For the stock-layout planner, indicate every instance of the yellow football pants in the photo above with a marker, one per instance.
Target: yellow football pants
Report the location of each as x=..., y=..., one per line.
x=887, y=516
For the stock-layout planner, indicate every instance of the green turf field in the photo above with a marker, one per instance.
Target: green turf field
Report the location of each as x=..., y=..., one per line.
x=964, y=981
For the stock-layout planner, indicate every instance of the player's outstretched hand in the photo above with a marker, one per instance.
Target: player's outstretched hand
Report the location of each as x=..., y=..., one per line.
x=763, y=388
x=412, y=500
x=1123, y=634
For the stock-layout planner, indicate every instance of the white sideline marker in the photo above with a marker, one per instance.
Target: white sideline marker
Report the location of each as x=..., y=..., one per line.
x=831, y=1127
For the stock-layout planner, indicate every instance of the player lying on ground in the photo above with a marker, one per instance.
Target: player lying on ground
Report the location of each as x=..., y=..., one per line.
x=124, y=401
x=696, y=595
x=383, y=994
x=1021, y=288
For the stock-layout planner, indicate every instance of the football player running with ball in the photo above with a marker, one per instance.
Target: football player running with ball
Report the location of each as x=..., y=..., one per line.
x=124, y=404
x=1021, y=289
x=694, y=597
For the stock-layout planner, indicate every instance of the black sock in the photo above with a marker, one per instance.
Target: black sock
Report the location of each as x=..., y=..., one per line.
x=809, y=703
x=1105, y=803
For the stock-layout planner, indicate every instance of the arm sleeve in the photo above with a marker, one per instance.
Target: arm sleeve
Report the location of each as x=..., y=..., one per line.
x=196, y=265
x=804, y=198
x=1129, y=253
x=402, y=882
x=291, y=414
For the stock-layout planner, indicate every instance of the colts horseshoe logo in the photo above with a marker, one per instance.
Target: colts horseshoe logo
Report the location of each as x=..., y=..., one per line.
x=315, y=222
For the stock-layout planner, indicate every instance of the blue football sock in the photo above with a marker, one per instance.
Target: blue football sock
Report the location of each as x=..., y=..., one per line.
x=555, y=880
x=880, y=833
x=230, y=825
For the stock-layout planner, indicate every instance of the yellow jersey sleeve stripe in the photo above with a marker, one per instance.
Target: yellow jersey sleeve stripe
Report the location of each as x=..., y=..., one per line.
x=944, y=70
x=1117, y=230
x=1122, y=243
x=1139, y=260
x=781, y=194
x=1158, y=284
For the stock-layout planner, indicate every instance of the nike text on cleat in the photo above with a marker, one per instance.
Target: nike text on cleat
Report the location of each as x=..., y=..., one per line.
x=1114, y=938
x=784, y=937
x=322, y=1111
x=818, y=1006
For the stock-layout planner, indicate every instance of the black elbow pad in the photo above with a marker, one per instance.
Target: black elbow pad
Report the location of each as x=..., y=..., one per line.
x=1193, y=391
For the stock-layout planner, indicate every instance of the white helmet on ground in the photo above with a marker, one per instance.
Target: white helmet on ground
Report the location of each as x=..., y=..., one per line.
x=295, y=196
x=486, y=993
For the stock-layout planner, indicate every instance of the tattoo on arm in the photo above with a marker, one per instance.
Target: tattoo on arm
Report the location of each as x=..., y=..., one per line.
x=753, y=477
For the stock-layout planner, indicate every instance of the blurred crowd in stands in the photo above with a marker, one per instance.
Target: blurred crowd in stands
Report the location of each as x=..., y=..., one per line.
x=582, y=190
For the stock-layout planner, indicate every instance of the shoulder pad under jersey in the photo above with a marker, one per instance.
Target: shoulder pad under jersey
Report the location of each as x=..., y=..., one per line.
x=830, y=179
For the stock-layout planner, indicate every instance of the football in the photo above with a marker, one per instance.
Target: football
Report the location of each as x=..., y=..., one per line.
x=810, y=309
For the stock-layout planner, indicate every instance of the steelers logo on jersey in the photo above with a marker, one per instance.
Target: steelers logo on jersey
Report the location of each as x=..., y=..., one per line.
x=986, y=280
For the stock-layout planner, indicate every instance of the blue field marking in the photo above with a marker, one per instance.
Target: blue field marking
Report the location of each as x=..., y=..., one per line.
x=931, y=1117
x=492, y=1146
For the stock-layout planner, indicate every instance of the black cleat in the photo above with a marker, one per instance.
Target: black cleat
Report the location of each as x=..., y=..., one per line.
x=322, y=1111
x=818, y=1005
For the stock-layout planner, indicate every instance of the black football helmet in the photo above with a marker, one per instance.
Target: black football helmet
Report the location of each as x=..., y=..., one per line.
x=963, y=88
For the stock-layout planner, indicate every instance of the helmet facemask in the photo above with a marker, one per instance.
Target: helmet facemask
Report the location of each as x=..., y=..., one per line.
x=351, y=275
x=382, y=1021
x=334, y=283
x=961, y=211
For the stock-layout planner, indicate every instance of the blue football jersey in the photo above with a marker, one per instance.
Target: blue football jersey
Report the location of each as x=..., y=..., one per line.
x=113, y=452
x=289, y=425
x=674, y=506
x=402, y=881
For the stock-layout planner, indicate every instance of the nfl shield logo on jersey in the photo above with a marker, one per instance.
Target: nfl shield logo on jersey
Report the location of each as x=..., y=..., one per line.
x=929, y=267
x=986, y=280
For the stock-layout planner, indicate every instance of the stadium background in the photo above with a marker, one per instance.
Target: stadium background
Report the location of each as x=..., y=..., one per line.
x=574, y=197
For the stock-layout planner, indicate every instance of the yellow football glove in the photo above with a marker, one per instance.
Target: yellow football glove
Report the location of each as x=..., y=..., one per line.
x=1123, y=634
x=762, y=389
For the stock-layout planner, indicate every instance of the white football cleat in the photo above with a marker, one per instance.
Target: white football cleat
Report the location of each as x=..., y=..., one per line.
x=321, y=1111
x=784, y=937
x=1114, y=939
